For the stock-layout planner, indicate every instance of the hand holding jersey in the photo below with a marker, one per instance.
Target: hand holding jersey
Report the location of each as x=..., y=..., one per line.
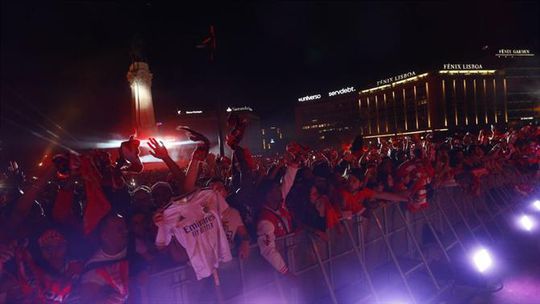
x=194, y=220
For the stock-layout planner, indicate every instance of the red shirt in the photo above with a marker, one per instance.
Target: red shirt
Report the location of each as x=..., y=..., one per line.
x=354, y=201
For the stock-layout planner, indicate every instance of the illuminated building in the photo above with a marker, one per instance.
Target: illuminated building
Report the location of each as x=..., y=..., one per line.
x=273, y=139
x=456, y=97
x=140, y=80
x=522, y=83
x=327, y=119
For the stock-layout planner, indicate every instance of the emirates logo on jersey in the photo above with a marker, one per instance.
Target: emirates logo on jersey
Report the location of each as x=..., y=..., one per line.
x=201, y=226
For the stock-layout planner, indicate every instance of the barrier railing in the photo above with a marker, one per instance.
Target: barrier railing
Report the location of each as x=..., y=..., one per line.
x=390, y=249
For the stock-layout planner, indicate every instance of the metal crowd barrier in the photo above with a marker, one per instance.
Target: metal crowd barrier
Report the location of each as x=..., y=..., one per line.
x=366, y=261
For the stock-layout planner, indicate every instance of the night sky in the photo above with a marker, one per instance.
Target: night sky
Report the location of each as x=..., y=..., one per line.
x=66, y=62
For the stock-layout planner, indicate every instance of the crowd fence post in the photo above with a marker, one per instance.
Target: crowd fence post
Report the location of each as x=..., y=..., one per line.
x=463, y=219
x=323, y=270
x=361, y=260
x=418, y=249
x=481, y=222
x=394, y=257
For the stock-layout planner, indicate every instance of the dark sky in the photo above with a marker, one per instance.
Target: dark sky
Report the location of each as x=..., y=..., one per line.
x=66, y=62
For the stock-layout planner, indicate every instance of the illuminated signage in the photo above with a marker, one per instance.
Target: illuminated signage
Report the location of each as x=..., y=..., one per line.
x=308, y=98
x=462, y=66
x=396, y=78
x=194, y=112
x=342, y=91
x=229, y=109
x=514, y=53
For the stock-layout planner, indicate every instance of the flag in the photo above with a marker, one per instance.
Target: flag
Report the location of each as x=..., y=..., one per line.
x=97, y=205
x=62, y=209
x=209, y=42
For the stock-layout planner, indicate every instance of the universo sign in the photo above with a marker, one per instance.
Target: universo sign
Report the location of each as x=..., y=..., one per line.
x=330, y=94
x=311, y=97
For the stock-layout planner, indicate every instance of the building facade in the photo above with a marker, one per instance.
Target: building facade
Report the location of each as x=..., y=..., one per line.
x=521, y=68
x=502, y=89
x=327, y=119
x=459, y=96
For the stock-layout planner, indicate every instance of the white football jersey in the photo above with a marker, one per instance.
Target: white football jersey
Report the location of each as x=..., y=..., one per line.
x=195, y=221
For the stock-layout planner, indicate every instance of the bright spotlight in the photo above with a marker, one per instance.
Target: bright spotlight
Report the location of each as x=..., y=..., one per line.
x=526, y=222
x=482, y=259
x=536, y=205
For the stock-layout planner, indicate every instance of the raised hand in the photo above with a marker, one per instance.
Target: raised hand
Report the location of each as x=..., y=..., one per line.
x=195, y=136
x=201, y=152
x=158, y=149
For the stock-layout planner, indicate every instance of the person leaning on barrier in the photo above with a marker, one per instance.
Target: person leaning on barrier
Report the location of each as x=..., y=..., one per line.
x=274, y=219
x=355, y=194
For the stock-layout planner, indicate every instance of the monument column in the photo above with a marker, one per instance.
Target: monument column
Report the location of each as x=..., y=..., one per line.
x=140, y=80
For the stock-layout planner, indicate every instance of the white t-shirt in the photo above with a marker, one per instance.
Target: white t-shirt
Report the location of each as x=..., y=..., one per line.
x=195, y=222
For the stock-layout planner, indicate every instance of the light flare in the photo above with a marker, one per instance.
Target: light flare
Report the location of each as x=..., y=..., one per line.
x=536, y=205
x=482, y=259
x=526, y=223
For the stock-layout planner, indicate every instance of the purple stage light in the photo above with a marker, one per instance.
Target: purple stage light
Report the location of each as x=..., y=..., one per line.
x=536, y=205
x=482, y=259
x=526, y=222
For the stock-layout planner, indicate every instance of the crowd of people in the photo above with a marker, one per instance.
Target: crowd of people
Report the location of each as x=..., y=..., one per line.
x=82, y=229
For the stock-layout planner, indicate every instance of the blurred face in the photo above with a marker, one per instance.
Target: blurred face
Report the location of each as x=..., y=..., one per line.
x=138, y=225
x=54, y=253
x=386, y=166
x=220, y=188
x=478, y=152
x=313, y=195
x=114, y=235
x=142, y=200
x=161, y=196
x=274, y=197
x=353, y=183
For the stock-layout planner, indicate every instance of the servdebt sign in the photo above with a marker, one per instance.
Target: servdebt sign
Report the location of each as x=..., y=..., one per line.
x=330, y=94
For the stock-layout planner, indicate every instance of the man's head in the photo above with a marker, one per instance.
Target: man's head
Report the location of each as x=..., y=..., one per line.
x=162, y=193
x=142, y=199
x=53, y=248
x=113, y=233
x=139, y=224
x=270, y=192
x=218, y=185
x=355, y=180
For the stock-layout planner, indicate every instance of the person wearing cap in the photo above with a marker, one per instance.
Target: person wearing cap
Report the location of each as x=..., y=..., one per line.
x=141, y=199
